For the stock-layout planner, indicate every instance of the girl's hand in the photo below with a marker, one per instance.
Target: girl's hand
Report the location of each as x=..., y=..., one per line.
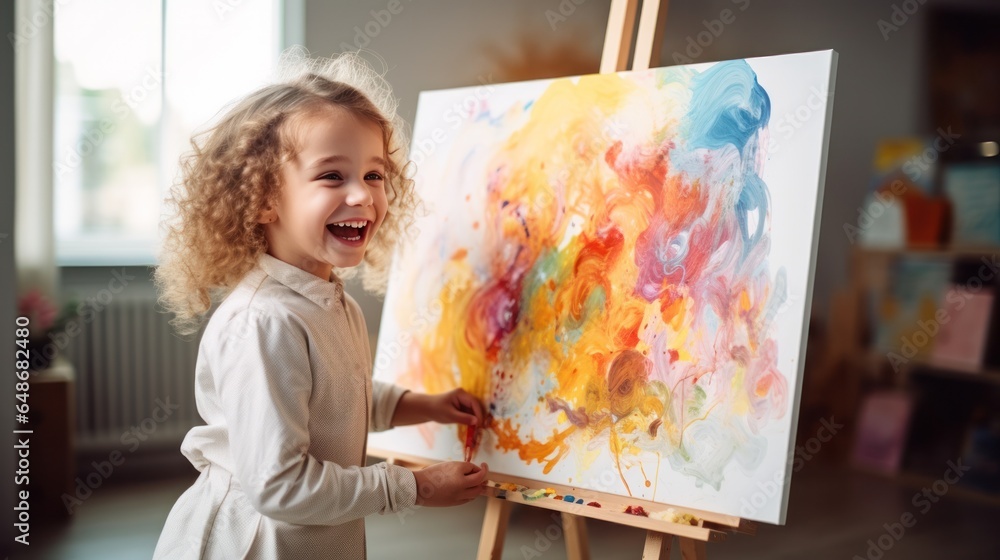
x=449, y=484
x=455, y=407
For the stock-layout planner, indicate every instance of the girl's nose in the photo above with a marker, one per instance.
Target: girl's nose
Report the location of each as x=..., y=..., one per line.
x=358, y=194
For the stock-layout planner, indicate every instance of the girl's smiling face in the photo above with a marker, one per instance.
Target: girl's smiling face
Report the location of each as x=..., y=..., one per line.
x=332, y=197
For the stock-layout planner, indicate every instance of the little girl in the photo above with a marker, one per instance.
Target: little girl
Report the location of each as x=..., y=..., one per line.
x=298, y=183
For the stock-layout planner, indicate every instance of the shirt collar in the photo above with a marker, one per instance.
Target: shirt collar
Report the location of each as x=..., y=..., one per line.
x=308, y=285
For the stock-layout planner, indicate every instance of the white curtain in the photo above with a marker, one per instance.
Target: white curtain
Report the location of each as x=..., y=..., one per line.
x=34, y=232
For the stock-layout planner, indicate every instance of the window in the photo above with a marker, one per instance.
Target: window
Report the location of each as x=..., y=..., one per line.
x=133, y=80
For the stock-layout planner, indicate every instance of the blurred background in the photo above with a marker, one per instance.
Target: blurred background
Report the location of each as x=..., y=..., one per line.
x=899, y=413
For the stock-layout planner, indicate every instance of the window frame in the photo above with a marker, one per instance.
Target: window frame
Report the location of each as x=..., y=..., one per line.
x=99, y=249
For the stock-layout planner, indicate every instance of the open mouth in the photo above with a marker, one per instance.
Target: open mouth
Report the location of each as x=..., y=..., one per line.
x=352, y=232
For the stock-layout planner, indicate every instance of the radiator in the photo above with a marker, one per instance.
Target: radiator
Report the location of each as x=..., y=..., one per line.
x=131, y=370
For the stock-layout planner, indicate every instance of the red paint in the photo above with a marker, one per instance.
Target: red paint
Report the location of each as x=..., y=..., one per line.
x=629, y=337
x=671, y=303
x=590, y=268
x=636, y=510
x=594, y=504
x=603, y=249
x=493, y=314
x=611, y=156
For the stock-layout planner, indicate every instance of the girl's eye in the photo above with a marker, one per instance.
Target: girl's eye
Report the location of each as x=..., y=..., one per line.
x=332, y=176
x=373, y=177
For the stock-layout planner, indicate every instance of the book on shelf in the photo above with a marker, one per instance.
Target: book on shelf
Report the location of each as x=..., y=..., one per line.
x=982, y=453
x=902, y=313
x=883, y=425
x=901, y=208
x=974, y=191
x=964, y=324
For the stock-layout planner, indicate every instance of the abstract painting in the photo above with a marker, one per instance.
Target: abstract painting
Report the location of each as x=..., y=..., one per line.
x=620, y=267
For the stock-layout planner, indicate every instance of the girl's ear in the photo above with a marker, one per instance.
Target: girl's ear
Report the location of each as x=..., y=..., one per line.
x=267, y=216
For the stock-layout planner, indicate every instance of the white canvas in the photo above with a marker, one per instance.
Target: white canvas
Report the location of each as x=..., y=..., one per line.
x=620, y=266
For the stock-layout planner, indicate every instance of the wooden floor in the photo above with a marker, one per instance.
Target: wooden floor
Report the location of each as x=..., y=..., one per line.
x=833, y=513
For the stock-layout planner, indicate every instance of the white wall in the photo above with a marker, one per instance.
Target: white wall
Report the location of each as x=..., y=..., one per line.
x=433, y=44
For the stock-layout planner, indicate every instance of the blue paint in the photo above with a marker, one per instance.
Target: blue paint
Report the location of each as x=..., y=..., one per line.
x=729, y=107
x=753, y=196
x=570, y=499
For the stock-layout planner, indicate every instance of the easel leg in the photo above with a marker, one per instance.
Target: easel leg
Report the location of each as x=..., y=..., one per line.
x=692, y=549
x=494, y=529
x=575, y=533
x=657, y=546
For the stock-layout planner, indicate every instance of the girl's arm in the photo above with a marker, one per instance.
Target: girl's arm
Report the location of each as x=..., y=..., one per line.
x=454, y=407
x=394, y=406
x=264, y=383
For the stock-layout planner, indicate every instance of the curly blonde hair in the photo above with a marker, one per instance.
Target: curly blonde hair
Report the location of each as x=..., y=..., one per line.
x=213, y=237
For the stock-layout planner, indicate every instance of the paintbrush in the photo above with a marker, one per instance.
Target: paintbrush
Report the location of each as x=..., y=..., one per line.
x=470, y=438
x=470, y=442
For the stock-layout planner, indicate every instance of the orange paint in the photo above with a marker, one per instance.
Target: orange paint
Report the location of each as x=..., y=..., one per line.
x=671, y=306
x=548, y=453
x=763, y=386
x=628, y=336
x=627, y=380
x=590, y=269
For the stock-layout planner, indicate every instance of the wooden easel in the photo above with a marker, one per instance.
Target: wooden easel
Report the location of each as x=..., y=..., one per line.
x=709, y=526
x=659, y=534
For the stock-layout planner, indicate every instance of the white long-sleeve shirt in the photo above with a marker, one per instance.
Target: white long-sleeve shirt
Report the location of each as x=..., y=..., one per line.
x=283, y=382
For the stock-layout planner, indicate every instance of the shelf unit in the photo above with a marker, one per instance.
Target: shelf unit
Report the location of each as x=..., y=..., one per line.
x=870, y=270
x=940, y=368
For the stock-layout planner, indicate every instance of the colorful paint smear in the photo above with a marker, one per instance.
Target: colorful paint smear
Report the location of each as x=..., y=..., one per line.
x=596, y=269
